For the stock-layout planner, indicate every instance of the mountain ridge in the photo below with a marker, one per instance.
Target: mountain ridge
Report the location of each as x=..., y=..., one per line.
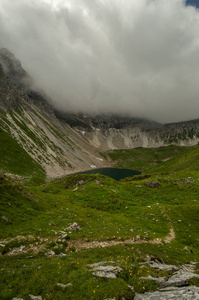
x=64, y=143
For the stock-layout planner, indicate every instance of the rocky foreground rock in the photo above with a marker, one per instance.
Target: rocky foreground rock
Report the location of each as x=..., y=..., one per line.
x=175, y=287
x=183, y=293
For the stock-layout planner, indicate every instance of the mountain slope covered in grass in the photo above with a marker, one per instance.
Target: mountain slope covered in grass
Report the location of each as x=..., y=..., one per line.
x=121, y=221
x=14, y=159
x=162, y=159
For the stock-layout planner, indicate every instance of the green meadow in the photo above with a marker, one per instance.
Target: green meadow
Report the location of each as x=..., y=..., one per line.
x=39, y=249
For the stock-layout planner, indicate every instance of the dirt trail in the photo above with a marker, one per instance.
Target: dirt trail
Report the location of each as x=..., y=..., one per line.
x=82, y=244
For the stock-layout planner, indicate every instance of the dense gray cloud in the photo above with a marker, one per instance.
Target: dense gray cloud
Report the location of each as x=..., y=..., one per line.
x=136, y=57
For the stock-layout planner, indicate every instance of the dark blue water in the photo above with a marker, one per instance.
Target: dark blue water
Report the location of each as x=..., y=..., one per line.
x=115, y=173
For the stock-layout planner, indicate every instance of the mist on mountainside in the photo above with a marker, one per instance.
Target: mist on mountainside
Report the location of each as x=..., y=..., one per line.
x=135, y=58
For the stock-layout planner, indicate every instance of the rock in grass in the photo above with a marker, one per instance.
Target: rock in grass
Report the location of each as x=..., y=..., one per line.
x=106, y=275
x=62, y=286
x=187, y=249
x=131, y=288
x=113, y=299
x=74, y=226
x=63, y=236
x=17, y=298
x=114, y=269
x=35, y=297
x=50, y=253
x=160, y=280
x=52, y=224
x=152, y=184
x=187, y=293
x=5, y=219
x=163, y=267
x=101, y=263
x=107, y=272
x=178, y=279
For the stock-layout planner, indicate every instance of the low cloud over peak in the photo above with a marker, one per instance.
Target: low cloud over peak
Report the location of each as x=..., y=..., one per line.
x=135, y=57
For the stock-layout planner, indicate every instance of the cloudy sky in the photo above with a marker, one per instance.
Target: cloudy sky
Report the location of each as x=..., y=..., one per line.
x=135, y=57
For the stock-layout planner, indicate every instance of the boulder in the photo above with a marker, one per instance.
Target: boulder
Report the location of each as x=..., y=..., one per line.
x=107, y=272
x=152, y=184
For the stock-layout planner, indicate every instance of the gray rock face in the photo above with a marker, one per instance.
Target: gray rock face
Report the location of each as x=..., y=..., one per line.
x=178, y=279
x=163, y=267
x=184, y=293
x=159, y=280
x=13, y=68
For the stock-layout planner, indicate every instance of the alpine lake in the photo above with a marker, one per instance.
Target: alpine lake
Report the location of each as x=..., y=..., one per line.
x=115, y=173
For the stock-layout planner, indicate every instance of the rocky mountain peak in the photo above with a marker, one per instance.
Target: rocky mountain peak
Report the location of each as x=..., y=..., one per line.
x=16, y=85
x=14, y=70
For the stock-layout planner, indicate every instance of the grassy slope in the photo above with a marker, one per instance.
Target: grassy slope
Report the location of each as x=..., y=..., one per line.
x=15, y=159
x=163, y=159
x=18, y=205
x=106, y=210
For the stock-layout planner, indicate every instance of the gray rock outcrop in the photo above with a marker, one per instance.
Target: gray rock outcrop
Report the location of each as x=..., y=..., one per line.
x=152, y=184
x=102, y=270
x=183, y=293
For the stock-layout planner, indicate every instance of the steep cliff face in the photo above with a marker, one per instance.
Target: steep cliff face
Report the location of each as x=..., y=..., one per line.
x=125, y=133
x=10, y=97
x=132, y=137
x=67, y=143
